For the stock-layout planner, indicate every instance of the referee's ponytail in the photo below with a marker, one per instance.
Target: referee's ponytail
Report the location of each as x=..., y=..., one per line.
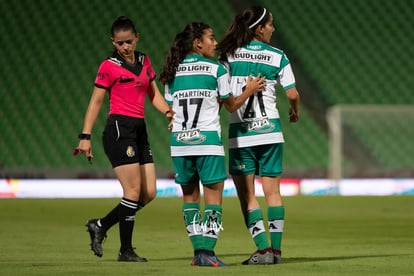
x=123, y=23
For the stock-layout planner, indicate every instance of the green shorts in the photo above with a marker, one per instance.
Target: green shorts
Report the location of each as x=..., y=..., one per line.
x=209, y=169
x=263, y=160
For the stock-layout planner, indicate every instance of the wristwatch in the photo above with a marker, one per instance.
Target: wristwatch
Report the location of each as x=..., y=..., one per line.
x=84, y=136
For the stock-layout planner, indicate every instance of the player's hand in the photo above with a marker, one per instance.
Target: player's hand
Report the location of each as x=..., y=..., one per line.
x=293, y=115
x=170, y=117
x=255, y=84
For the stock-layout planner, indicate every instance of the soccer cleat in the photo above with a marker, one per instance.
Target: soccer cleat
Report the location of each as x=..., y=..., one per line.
x=196, y=260
x=209, y=260
x=97, y=235
x=129, y=255
x=261, y=257
x=277, y=254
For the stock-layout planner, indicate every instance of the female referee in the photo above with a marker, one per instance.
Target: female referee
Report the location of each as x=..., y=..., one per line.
x=194, y=85
x=255, y=135
x=127, y=76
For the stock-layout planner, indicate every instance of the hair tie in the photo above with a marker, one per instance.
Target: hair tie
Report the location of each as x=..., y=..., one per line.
x=258, y=20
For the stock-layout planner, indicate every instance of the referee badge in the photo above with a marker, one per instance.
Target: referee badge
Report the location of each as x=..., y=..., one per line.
x=130, y=152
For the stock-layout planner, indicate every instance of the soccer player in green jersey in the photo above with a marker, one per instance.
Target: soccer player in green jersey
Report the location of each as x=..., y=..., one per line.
x=255, y=135
x=195, y=85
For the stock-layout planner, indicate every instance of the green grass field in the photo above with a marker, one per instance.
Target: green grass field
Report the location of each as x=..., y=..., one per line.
x=323, y=236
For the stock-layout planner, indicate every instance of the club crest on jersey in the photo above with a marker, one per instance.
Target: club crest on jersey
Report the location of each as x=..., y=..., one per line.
x=192, y=136
x=102, y=75
x=259, y=125
x=130, y=152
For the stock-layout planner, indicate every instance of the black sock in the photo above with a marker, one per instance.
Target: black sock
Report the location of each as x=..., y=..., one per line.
x=140, y=205
x=127, y=210
x=111, y=218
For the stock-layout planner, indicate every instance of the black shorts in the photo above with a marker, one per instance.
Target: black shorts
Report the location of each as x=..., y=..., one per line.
x=125, y=141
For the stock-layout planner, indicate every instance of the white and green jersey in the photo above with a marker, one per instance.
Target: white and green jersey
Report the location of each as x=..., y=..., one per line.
x=257, y=121
x=194, y=93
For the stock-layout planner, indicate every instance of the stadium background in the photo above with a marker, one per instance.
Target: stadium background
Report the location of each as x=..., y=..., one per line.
x=343, y=52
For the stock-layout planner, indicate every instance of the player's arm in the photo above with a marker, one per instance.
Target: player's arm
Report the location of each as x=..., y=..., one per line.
x=253, y=85
x=158, y=100
x=170, y=124
x=95, y=104
x=294, y=100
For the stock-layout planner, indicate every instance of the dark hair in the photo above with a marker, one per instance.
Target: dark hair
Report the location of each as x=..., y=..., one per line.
x=182, y=45
x=242, y=30
x=122, y=23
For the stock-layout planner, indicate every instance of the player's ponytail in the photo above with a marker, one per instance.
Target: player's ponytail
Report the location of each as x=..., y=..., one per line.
x=242, y=30
x=182, y=46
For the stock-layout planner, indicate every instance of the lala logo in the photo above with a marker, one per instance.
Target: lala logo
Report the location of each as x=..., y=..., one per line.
x=192, y=136
x=130, y=152
x=259, y=125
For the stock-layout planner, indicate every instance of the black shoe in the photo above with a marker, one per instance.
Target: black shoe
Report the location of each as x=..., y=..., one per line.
x=129, y=255
x=97, y=235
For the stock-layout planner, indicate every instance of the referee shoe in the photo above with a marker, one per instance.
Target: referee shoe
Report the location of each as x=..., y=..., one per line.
x=129, y=255
x=97, y=235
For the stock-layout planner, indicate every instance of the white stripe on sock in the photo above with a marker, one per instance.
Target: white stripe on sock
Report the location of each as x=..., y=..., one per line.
x=256, y=228
x=129, y=204
x=276, y=226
